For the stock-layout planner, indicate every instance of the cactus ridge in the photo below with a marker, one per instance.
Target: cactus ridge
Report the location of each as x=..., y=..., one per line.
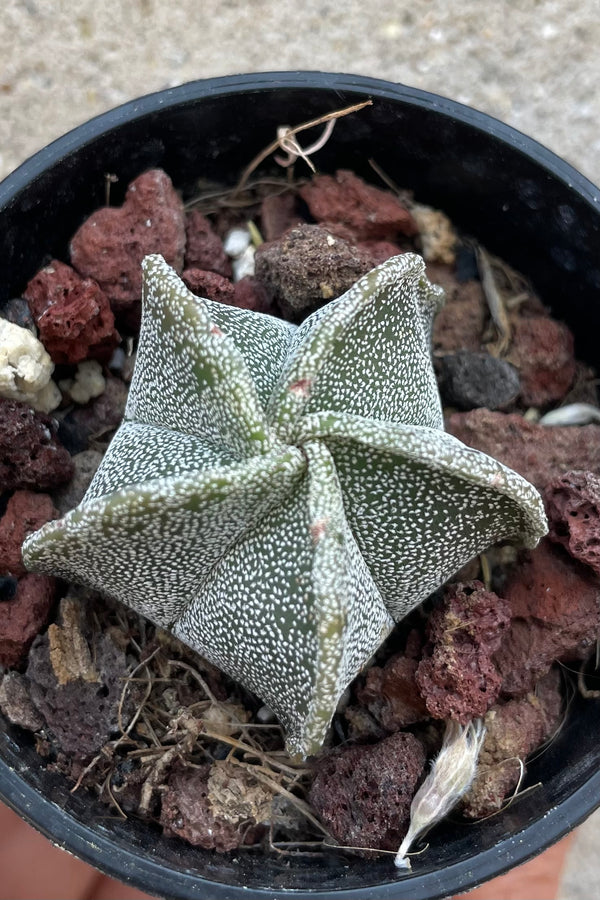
x=278, y=495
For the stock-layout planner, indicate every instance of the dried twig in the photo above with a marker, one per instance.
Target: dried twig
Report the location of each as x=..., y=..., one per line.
x=288, y=134
x=584, y=690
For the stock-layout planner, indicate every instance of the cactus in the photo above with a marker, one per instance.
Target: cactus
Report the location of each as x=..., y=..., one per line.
x=278, y=496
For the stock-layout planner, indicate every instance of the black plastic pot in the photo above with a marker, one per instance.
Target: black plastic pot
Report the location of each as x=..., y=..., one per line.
x=524, y=204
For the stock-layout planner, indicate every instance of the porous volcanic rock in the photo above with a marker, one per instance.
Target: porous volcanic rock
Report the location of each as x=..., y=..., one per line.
x=250, y=293
x=459, y=325
x=112, y=242
x=514, y=728
x=25, y=512
x=370, y=213
x=73, y=315
x=555, y=608
x=537, y=452
x=23, y=617
x=278, y=212
x=457, y=677
x=308, y=266
x=186, y=813
x=204, y=248
x=362, y=793
x=573, y=509
x=210, y=285
x=16, y=703
x=31, y=456
x=390, y=693
x=542, y=351
x=81, y=711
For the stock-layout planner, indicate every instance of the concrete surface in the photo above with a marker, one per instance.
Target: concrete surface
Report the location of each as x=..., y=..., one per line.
x=533, y=63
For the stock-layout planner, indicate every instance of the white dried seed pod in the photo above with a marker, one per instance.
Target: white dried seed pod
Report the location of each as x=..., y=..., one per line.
x=572, y=414
x=452, y=773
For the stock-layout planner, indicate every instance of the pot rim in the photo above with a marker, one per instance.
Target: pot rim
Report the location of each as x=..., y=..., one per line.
x=262, y=81
x=97, y=847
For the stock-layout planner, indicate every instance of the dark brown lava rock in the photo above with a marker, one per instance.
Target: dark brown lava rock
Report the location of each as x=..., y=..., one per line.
x=308, y=266
x=24, y=616
x=25, y=513
x=204, y=248
x=537, y=452
x=370, y=213
x=513, y=730
x=31, y=455
x=186, y=813
x=362, y=793
x=573, y=509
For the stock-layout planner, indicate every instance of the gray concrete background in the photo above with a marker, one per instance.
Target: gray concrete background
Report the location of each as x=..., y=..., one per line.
x=533, y=63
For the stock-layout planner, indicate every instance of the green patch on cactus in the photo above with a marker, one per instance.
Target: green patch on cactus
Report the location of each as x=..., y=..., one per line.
x=278, y=496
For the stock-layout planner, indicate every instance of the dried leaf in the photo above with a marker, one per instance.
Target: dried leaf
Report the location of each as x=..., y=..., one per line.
x=69, y=651
x=234, y=794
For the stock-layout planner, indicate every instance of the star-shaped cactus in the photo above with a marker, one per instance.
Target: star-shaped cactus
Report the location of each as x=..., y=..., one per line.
x=278, y=496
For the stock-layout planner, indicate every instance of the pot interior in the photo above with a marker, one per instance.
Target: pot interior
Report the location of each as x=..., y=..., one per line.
x=516, y=198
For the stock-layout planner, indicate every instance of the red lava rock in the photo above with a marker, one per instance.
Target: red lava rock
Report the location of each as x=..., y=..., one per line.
x=112, y=242
x=72, y=314
x=25, y=513
x=362, y=793
x=30, y=454
x=23, y=617
x=573, y=509
x=379, y=251
x=390, y=693
x=458, y=679
x=513, y=730
x=555, y=608
x=204, y=248
x=542, y=351
x=278, y=213
x=370, y=212
x=460, y=323
x=186, y=813
x=250, y=293
x=538, y=452
x=309, y=266
x=209, y=285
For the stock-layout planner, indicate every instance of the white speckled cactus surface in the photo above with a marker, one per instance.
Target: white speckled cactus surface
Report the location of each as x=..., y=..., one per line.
x=278, y=496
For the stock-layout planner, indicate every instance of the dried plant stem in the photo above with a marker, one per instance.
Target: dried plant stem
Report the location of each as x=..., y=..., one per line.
x=154, y=778
x=290, y=133
x=279, y=789
x=584, y=690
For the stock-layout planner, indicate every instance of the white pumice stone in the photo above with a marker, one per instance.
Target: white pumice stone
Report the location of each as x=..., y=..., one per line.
x=26, y=369
x=236, y=242
x=89, y=382
x=244, y=264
